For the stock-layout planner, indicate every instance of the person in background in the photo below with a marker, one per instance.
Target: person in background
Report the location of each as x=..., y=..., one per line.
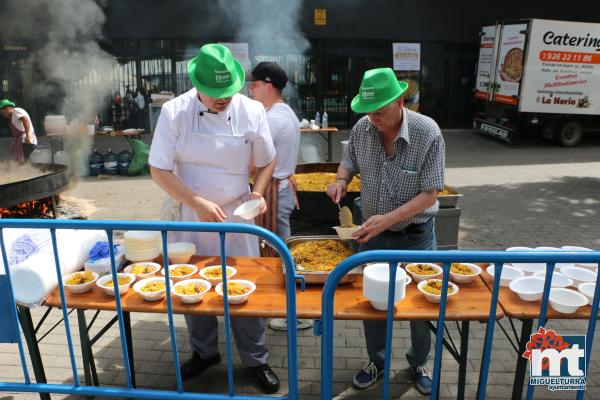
x=399, y=155
x=140, y=108
x=268, y=81
x=203, y=145
x=21, y=128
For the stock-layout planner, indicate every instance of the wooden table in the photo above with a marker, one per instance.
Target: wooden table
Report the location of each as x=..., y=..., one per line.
x=470, y=304
x=526, y=312
x=325, y=133
x=268, y=301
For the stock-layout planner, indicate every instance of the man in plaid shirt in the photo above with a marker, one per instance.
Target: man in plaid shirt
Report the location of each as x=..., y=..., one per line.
x=399, y=155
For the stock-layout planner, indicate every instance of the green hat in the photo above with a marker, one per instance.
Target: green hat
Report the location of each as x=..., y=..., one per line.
x=6, y=103
x=215, y=72
x=378, y=88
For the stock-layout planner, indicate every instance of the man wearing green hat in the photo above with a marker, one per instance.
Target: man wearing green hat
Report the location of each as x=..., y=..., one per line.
x=399, y=155
x=203, y=145
x=21, y=128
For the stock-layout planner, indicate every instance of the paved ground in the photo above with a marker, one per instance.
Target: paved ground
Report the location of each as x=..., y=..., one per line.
x=532, y=193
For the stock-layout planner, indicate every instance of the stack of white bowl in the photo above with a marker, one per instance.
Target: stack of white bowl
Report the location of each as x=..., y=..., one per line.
x=141, y=245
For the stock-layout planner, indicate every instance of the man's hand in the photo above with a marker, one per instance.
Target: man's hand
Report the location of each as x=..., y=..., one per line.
x=207, y=211
x=263, y=204
x=337, y=190
x=372, y=227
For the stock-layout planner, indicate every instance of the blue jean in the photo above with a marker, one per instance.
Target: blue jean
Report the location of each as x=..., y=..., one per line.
x=285, y=206
x=418, y=237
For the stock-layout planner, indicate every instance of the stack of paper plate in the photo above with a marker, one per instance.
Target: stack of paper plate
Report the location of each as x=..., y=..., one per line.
x=141, y=245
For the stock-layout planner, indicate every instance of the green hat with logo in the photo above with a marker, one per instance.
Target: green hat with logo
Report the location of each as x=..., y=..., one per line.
x=6, y=103
x=378, y=88
x=215, y=72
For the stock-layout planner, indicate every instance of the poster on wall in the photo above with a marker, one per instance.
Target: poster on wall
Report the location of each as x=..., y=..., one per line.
x=485, y=64
x=510, y=63
x=407, y=56
x=240, y=53
x=562, y=74
x=407, y=65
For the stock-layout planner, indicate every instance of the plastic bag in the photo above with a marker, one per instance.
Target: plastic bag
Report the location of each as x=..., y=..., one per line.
x=139, y=161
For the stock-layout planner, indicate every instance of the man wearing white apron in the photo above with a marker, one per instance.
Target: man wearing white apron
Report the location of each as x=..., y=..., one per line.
x=202, y=147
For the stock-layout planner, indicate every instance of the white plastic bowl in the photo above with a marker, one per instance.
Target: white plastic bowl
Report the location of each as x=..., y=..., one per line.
x=109, y=290
x=151, y=296
x=156, y=267
x=590, y=266
x=191, y=298
x=237, y=299
x=346, y=233
x=546, y=248
x=249, y=209
x=587, y=289
x=376, y=281
x=529, y=268
x=181, y=252
x=579, y=275
x=141, y=255
x=528, y=288
x=216, y=281
x=508, y=274
x=566, y=301
x=558, y=279
x=575, y=248
x=458, y=278
x=436, y=298
x=182, y=277
x=419, y=278
x=81, y=288
x=519, y=248
x=141, y=236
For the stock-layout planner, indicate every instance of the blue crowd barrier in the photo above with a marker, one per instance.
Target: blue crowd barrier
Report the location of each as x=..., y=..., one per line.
x=9, y=328
x=498, y=258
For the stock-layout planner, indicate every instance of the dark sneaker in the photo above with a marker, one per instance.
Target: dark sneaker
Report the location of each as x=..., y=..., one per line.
x=423, y=379
x=367, y=376
x=280, y=324
x=196, y=365
x=266, y=378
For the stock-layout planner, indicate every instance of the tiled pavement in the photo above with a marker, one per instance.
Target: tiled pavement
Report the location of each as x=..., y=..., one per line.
x=530, y=194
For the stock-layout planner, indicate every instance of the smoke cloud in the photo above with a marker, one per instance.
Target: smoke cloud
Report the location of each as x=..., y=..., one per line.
x=269, y=26
x=71, y=71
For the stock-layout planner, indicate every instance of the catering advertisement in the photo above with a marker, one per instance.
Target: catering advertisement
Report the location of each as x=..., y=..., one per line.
x=562, y=74
x=510, y=63
x=407, y=65
x=485, y=65
x=407, y=56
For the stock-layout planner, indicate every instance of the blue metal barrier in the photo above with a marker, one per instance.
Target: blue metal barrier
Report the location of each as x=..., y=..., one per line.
x=394, y=257
x=8, y=303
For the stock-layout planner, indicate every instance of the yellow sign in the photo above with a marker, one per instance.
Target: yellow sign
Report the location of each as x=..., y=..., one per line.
x=320, y=16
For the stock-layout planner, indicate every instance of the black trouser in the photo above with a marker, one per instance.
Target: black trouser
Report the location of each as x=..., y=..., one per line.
x=28, y=149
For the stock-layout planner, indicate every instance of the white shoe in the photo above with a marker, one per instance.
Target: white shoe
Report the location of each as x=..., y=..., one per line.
x=280, y=324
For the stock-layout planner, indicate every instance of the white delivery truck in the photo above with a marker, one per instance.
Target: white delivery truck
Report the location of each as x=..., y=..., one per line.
x=538, y=75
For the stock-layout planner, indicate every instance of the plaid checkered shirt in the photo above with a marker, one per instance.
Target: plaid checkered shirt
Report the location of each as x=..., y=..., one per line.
x=416, y=166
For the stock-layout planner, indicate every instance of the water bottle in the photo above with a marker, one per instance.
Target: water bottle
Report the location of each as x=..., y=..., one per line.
x=325, y=120
x=318, y=119
x=124, y=159
x=110, y=163
x=95, y=163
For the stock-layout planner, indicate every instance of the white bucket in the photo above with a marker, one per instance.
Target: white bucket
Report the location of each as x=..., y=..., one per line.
x=55, y=125
x=41, y=155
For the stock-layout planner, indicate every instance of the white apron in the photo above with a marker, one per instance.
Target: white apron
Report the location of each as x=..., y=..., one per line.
x=214, y=164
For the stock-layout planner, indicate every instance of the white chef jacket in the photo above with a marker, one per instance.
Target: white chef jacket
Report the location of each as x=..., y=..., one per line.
x=211, y=154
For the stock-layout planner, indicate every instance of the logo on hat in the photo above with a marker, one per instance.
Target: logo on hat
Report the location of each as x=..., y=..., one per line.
x=368, y=93
x=222, y=76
